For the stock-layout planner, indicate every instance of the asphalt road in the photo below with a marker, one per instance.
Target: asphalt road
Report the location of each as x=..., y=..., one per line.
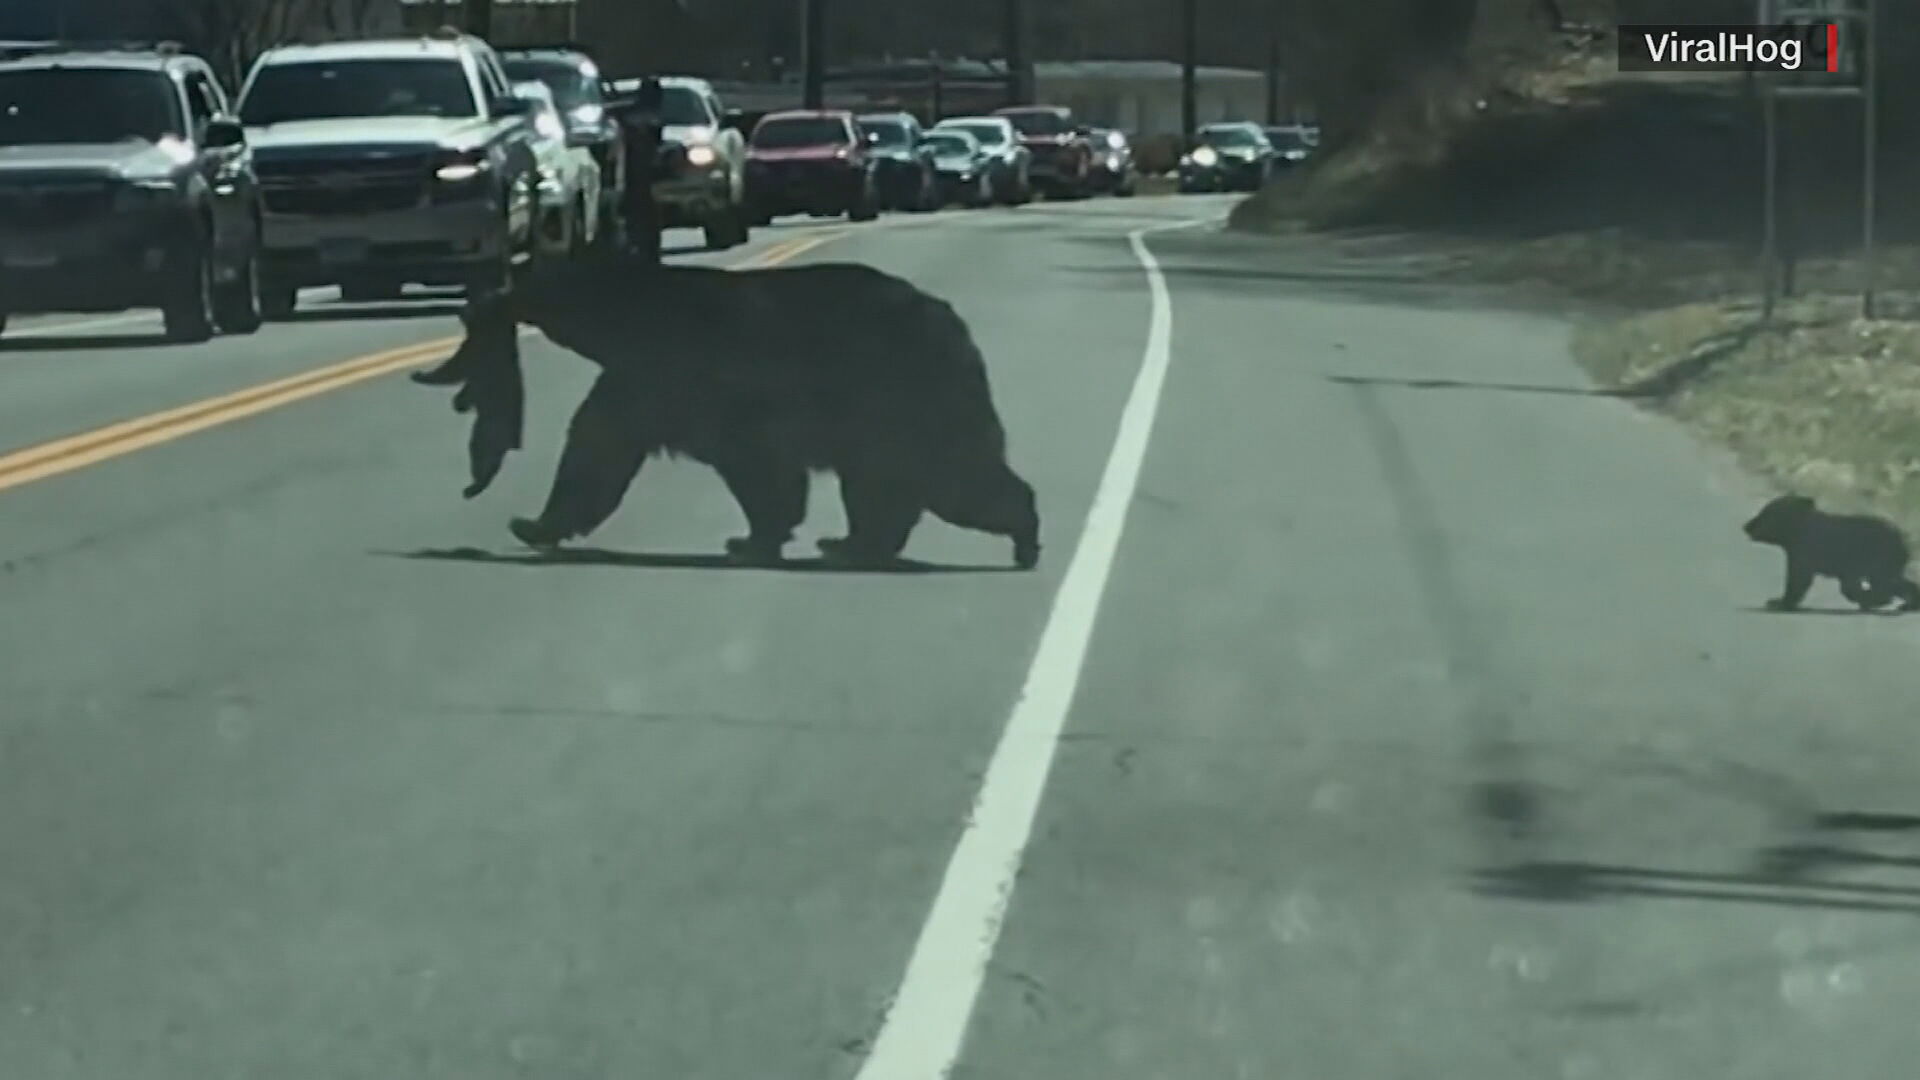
x=1418, y=723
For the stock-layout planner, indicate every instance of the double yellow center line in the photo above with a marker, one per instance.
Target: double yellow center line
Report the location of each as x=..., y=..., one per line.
x=50, y=459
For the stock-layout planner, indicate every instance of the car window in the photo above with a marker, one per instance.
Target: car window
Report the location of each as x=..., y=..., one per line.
x=493, y=76
x=574, y=85
x=950, y=142
x=1236, y=137
x=988, y=134
x=798, y=131
x=200, y=105
x=352, y=89
x=888, y=132
x=683, y=106
x=1040, y=123
x=80, y=105
x=203, y=82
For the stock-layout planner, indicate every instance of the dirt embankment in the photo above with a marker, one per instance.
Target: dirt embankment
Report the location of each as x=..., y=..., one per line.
x=1643, y=196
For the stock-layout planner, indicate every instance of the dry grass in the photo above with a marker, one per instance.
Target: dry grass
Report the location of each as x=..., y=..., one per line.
x=1827, y=403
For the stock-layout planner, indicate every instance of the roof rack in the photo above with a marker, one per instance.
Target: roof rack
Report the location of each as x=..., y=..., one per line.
x=17, y=49
x=545, y=46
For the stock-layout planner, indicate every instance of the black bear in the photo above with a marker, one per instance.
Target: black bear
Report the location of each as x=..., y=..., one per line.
x=764, y=375
x=487, y=368
x=1867, y=555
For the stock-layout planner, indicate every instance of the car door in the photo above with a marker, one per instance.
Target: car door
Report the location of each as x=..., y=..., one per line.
x=728, y=142
x=225, y=171
x=513, y=136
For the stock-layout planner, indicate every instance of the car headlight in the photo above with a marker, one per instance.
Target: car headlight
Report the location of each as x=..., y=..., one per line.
x=1205, y=157
x=462, y=168
x=1116, y=140
x=589, y=115
x=549, y=126
x=140, y=194
x=1113, y=162
x=701, y=156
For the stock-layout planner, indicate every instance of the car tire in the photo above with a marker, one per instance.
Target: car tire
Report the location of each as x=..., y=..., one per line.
x=1126, y=187
x=3, y=323
x=187, y=312
x=237, y=303
x=866, y=205
x=580, y=242
x=278, y=300
x=727, y=231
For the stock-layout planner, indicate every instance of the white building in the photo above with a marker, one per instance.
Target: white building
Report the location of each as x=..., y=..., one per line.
x=1143, y=96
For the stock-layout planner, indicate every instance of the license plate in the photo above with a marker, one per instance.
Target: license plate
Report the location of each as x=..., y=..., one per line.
x=342, y=252
x=29, y=260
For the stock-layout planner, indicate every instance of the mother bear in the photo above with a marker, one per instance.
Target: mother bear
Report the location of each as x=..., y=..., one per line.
x=764, y=375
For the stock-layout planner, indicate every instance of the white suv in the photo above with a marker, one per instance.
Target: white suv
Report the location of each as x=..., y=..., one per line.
x=385, y=163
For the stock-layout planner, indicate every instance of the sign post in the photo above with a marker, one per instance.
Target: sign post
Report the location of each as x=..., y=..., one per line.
x=1843, y=30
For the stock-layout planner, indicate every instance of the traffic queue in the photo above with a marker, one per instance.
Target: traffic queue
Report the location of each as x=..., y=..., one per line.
x=131, y=178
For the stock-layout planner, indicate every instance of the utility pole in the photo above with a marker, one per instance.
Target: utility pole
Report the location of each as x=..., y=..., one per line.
x=1189, y=64
x=479, y=18
x=813, y=53
x=1273, y=76
x=1018, y=92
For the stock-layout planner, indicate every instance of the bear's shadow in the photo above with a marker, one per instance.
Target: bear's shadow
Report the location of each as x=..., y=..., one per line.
x=635, y=560
x=1762, y=609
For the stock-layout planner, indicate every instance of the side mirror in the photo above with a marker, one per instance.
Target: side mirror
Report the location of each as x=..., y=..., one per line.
x=223, y=133
x=511, y=106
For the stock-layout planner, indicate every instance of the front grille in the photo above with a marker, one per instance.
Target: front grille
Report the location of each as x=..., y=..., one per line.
x=372, y=198
x=798, y=171
x=345, y=186
x=53, y=206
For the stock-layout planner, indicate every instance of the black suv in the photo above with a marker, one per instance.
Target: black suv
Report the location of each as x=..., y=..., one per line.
x=125, y=182
x=585, y=98
x=904, y=166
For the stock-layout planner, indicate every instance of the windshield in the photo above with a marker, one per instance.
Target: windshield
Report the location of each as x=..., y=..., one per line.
x=1287, y=139
x=988, y=134
x=571, y=87
x=891, y=133
x=947, y=143
x=1235, y=138
x=1040, y=123
x=682, y=106
x=344, y=89
x=800, y=131
x=86, y=105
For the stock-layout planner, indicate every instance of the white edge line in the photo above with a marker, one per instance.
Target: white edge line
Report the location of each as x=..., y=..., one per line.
x=63, y=328
x=925, y=1028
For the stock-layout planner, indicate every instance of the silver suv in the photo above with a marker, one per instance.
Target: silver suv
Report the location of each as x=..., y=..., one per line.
x=387, y=163
x=702, y=172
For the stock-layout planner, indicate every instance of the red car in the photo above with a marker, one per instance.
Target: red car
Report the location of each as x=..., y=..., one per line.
x=807, y=161
x=1062, y=150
